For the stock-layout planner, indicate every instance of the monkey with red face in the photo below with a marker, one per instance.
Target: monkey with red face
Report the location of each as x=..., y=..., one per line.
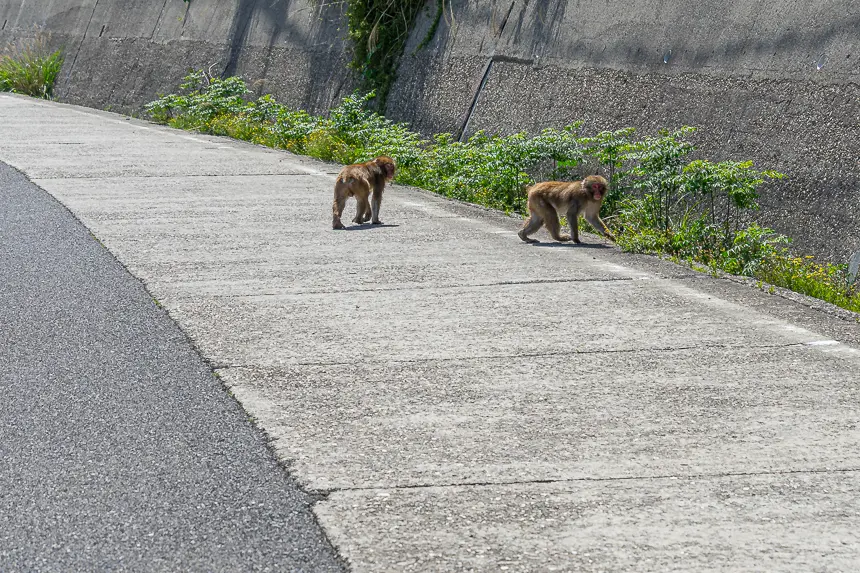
x=548, y=199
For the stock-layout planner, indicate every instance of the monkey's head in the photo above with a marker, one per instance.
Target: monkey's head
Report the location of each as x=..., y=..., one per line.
x=387, y=165
x=596, y=186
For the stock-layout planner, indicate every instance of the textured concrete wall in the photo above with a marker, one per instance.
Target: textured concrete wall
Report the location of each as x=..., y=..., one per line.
x=122, y=53
x=774, y=81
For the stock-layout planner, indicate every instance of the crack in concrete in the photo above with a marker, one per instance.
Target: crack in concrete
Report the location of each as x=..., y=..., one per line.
x=560, y=353
x=421, y=287
x=179, y=176
x=486, y=74
x=329, y=492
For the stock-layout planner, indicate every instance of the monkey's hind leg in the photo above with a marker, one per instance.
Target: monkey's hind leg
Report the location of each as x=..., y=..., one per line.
x=554, y=226
x=337, y=210
x=362, y=211
x=532, y=225
x=365, y=217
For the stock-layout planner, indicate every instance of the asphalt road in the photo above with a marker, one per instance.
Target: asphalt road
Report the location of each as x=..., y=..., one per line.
x=459, y=400
x=119, y=449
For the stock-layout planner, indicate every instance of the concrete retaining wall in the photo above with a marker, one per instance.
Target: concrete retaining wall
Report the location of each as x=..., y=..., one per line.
x=774, y=81
x=777, y=82
x=121, y=53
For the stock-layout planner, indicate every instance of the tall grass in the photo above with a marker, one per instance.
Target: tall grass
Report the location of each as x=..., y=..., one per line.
x=30, y=69
x=660, y=201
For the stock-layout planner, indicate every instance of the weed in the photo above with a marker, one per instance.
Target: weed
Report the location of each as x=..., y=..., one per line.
x=826, y=281
x=30, y=69
x=378, y=30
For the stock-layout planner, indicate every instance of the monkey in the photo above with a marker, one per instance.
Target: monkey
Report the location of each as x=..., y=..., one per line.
x=572, y=199
x=358, y=181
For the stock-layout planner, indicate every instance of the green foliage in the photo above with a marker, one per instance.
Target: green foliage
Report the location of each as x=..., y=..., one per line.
x=695, y=211
x=802, y=274
x=379, y=30
x=659, y=201
x=31, y=70
x=493, y=170
x=201, y=99
x=612, y=150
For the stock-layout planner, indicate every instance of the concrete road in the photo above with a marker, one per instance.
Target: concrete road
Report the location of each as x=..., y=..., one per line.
x=461, y=400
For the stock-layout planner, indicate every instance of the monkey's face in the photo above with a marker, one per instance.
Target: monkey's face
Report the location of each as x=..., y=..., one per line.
x=389, y=171
x=595, y=185
x=386, y=165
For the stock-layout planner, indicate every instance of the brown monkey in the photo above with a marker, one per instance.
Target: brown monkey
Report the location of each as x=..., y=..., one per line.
x=359, y=181
x=572, y=199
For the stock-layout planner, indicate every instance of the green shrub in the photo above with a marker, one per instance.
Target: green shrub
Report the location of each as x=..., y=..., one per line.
x=31, y=69
x=826, y=281
x=659, y=202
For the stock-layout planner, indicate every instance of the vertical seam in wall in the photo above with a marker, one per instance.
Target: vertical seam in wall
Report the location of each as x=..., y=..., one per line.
x=236, y=44
x=185, y=18
x=465, y=127
x=78, y=51
x=505, y=20
x=158, y=20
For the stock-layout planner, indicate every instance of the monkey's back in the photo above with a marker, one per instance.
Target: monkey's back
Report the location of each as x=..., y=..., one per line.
x=352, y=173
x=557, y=194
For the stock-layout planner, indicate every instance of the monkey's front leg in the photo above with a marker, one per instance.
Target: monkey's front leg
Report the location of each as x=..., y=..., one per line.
x=375, y=204
x=599, y=226
x=573, y=221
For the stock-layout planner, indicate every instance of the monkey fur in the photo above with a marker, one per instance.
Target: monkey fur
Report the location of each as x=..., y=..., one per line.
x=548, y=199
x=365, y=182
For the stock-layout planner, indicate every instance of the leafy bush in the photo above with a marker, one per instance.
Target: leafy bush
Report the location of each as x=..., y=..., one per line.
x=802, y=274
x=659, y=200
x=31, y=70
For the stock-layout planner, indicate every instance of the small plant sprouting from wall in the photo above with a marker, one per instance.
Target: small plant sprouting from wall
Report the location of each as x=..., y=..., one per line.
x=378, y=30
x=30, y=69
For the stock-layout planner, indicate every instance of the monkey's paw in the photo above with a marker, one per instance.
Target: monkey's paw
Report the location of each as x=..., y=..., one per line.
x=377, y=222
x=338, y=226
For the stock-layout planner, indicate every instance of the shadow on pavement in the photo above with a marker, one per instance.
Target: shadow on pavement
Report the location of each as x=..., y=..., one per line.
x=365, y=226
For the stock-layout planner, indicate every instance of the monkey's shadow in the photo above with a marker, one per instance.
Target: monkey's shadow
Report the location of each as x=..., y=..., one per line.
x=366, y=226
x=571, y=245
